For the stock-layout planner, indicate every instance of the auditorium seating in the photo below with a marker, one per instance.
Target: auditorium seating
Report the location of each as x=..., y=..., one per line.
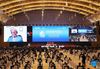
x=30, y=58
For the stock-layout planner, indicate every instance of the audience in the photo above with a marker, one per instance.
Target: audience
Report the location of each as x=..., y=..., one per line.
x=16, y=58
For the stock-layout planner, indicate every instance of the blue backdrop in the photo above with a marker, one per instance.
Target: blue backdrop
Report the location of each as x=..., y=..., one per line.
x=50, y=33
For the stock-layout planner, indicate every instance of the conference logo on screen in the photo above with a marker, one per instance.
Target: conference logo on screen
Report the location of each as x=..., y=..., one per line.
x=42, y=34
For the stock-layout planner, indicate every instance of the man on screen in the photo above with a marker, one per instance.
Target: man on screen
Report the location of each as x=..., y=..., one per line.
x=14, y=37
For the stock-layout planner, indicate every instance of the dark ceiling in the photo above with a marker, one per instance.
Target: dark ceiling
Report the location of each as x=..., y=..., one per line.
x=48, y=17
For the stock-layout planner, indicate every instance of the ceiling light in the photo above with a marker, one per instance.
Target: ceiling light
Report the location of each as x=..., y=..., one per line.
x=61, y=12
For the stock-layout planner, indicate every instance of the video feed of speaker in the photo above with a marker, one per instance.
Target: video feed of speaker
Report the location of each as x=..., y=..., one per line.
x=83, y=34
x=15, y=33
x=50, y=33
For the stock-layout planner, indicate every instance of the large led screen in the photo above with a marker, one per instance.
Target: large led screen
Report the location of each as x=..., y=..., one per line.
x=15, y=33
x=50, y=33
x=83, y=34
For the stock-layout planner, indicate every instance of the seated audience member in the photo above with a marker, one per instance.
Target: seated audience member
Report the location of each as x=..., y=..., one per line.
x=50, y=63
x=80, y=66
x=40, y=60
x=53, y=66
x=27, y=66
x=65, y=66
x=15, y=67
x=40, y=66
